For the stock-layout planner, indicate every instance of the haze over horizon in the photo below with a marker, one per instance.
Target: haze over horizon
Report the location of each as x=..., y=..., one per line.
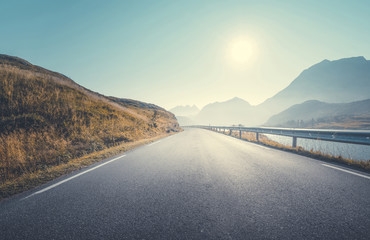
x=184, y=53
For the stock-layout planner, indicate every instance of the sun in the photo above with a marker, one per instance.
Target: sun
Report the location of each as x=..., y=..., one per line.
x=241, y=51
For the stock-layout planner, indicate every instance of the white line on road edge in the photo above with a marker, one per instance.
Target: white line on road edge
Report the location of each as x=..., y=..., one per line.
x=77, y=175
x=341, y=169
x=154, y=143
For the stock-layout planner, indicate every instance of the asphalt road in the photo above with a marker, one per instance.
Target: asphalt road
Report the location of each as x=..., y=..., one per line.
x=197, y=184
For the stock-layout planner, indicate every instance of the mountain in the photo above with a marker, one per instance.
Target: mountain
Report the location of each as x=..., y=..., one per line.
x=341, y=81
x=185, y=114
x=316, y=114
x=234, y=111
x=185, y=121
x=187, y=110
x=46, y=118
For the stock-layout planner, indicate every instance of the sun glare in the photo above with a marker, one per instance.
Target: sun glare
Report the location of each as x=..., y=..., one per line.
x=241, y=51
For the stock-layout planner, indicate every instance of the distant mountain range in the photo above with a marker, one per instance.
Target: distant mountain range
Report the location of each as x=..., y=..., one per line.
x=233, y=111
x=341, y=81
x=185, y=110
x=316, y=114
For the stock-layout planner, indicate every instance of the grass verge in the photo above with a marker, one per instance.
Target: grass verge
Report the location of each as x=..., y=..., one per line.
x=264, y=140
x=32, y=180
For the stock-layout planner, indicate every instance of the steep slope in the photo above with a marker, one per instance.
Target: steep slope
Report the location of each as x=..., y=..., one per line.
x=157, y=117
x=46, y=118
x=320, y=114
x=234, y=111
x=340, y=81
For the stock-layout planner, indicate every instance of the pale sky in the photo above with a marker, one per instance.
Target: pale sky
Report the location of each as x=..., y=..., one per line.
x=184, y=52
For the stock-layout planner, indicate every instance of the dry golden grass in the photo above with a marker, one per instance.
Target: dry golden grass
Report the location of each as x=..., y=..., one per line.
x=33, y=179
x=251, y=137
x=349, y=122
x=357, y=122
x=47, y=120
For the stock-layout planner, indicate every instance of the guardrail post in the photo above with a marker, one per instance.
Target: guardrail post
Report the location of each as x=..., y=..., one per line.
x=240, y=134
x=362, y=138
x=294, y=142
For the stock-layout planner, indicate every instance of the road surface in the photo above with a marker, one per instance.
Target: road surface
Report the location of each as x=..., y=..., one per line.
x=197, y=184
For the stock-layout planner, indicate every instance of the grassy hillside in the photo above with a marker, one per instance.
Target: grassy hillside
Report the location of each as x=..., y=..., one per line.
x=47, y=119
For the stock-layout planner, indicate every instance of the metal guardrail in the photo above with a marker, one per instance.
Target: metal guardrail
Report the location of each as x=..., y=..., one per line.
x=343, y=136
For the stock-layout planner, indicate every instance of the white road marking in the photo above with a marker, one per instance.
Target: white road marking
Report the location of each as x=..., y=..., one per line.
x=154, y=143
x=347, y=171
x=70, y=178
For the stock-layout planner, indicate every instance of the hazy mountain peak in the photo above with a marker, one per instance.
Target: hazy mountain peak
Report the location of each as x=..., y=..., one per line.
x=232, y=101
x=338, y=81
x=347, y=62
x=237, y=99
x=232, y=111
x=349, y=59
x=352, y=59
x=186, y=110
x=325, y=61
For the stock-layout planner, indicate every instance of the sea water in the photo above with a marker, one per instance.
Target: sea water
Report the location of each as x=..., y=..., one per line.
x=346, y=150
